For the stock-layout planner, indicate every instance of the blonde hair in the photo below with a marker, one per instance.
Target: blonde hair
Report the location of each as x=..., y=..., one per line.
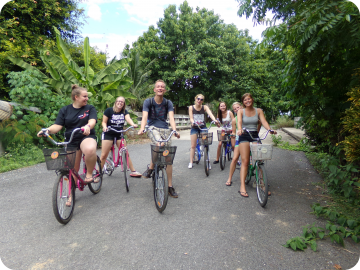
x=123, y=108
x=199, y=95
x=236, y=103
x=159, y=80
x=76, y=91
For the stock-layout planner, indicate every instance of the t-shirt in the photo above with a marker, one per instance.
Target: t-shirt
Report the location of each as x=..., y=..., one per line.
x=115, y=120
x=157, y=114
x=71, y=118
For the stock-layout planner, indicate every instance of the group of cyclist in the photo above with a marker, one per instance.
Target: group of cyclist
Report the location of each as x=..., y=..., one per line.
x=156, y=110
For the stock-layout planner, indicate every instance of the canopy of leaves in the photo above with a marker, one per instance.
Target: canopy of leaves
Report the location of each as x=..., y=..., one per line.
x=27, y=25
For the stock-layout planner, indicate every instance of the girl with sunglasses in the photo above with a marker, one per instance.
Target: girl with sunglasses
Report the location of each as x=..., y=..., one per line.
x=197, y=115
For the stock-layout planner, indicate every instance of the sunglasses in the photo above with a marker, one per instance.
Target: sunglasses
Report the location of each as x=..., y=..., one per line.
x=200, y=99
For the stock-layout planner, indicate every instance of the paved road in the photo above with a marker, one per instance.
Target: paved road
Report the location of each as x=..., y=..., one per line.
x=208, y=227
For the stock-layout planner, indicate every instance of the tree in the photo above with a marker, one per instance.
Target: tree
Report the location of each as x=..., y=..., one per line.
x=27, y=25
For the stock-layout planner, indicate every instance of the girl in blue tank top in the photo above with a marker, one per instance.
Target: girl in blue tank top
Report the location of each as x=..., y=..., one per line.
x=248, y=118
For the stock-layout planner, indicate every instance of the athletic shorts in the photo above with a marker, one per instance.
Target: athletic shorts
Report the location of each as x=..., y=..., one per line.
x=245, y=137
x=106, y=136
x=159, y=133
x=75, y=143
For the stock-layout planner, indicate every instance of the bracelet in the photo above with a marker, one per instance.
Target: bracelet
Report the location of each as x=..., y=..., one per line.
x=88, y=126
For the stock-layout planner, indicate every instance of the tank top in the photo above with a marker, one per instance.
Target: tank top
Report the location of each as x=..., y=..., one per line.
x=250, y=122
x=199, y=116
x=226, y=122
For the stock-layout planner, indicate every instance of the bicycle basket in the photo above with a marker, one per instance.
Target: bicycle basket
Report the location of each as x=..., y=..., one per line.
x=205, y=138
x=222, y=135
x=261, y=151
x=58, y=159
x=163, y=155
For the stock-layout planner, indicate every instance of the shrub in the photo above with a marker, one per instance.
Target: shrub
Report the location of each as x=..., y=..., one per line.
x=284, y=121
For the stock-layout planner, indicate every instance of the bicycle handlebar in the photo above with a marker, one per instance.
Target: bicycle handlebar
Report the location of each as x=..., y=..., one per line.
x=119, y=131
x=270, y=130
x=160, y=141
x=59, y=143
x=206, y=129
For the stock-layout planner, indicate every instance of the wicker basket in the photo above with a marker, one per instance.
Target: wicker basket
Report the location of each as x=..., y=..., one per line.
x=222, y=135
x=59, y=159
x=163, y=155
x=205, y=138
x=261, y=151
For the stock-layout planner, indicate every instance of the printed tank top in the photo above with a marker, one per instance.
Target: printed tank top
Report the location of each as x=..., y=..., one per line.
x=250, y=122
x=226, y=122
x=199, y=116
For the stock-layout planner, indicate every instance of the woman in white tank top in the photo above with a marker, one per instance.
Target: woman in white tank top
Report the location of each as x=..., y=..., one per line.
x=225, y=117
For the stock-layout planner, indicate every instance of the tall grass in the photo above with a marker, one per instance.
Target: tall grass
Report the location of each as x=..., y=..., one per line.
x=283, y=121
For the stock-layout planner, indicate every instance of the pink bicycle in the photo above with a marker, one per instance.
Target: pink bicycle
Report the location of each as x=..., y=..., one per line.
x=62, y=160
x=122, y=158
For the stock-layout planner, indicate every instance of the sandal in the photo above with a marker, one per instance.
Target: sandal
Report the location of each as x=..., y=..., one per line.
x=135, y=174
x=93, y=180
x=69, y=201
x=228, y=183
x=243, y=194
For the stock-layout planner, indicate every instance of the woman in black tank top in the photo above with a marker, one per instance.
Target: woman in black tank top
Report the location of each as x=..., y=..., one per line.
x=197, y=115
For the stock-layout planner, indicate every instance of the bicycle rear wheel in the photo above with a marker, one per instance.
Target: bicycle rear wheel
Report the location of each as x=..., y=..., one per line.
x=108, y=167
x=60, y=196
x=125, y=167
x=160, y=188
x=97, y=172
x=230, y=153
x=206, y=160
x=249, y=174
x=261, y=184
x=222, y=156
x=196, y=158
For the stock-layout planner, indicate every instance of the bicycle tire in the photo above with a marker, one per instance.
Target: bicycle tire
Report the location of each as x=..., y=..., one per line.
x=248, y=175
x=261, y=185
x=161, y=193
x=230, y=153
x=63, y=213
x=97, y=172
x=206, y=160
x=125, y=167
x=196, y=158
x=222, y=156
x=108, y=167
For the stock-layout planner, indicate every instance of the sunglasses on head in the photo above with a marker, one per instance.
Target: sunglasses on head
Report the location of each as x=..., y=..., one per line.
x=200, y=99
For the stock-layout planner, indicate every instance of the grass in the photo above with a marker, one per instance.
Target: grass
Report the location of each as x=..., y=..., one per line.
x=283, y=121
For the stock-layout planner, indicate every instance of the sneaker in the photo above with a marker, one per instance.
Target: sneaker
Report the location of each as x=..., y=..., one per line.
x=172, y=192
x=147, y=173
x=190, y=166
x=209, y=167
x=216, y=162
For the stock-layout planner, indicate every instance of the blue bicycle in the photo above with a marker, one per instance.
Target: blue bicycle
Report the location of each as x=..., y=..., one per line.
x=202, y=147
x=226, y=147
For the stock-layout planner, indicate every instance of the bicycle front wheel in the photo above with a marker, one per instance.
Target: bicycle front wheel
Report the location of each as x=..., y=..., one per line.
x=160, y=189
x=206, y=160
x=97, y=173
x=222, y=156
x=125, y=167
x=61, y=195
x=261, y=184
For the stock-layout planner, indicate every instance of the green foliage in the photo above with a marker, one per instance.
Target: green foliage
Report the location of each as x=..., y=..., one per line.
x=283, y=121
x=351, y=123
x=19, y=156
x=27, y=25
x=276, y=139
x=337, y=228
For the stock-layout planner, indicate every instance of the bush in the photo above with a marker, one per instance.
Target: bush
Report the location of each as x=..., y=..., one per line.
x=283, y=121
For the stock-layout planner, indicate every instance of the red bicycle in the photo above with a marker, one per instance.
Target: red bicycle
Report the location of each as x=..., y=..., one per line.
x=122, y=158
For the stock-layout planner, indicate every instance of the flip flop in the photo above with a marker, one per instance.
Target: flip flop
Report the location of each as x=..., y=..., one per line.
x=227, y=183
x=241, y=193
x=93, y=180
x=135, y=174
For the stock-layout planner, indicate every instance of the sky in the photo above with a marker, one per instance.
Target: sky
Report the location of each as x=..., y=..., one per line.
x=113, y=23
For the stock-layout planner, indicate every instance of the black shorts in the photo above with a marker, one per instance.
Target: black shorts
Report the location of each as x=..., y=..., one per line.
x=75, y=143
x=245, y=137
x=110, y=136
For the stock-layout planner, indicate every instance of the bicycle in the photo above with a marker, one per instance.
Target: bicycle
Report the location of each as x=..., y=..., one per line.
x=161, y=156
x=226, y=149
x=259, y=152
x=62, y=160
x=202, y=147
x=122, y=158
